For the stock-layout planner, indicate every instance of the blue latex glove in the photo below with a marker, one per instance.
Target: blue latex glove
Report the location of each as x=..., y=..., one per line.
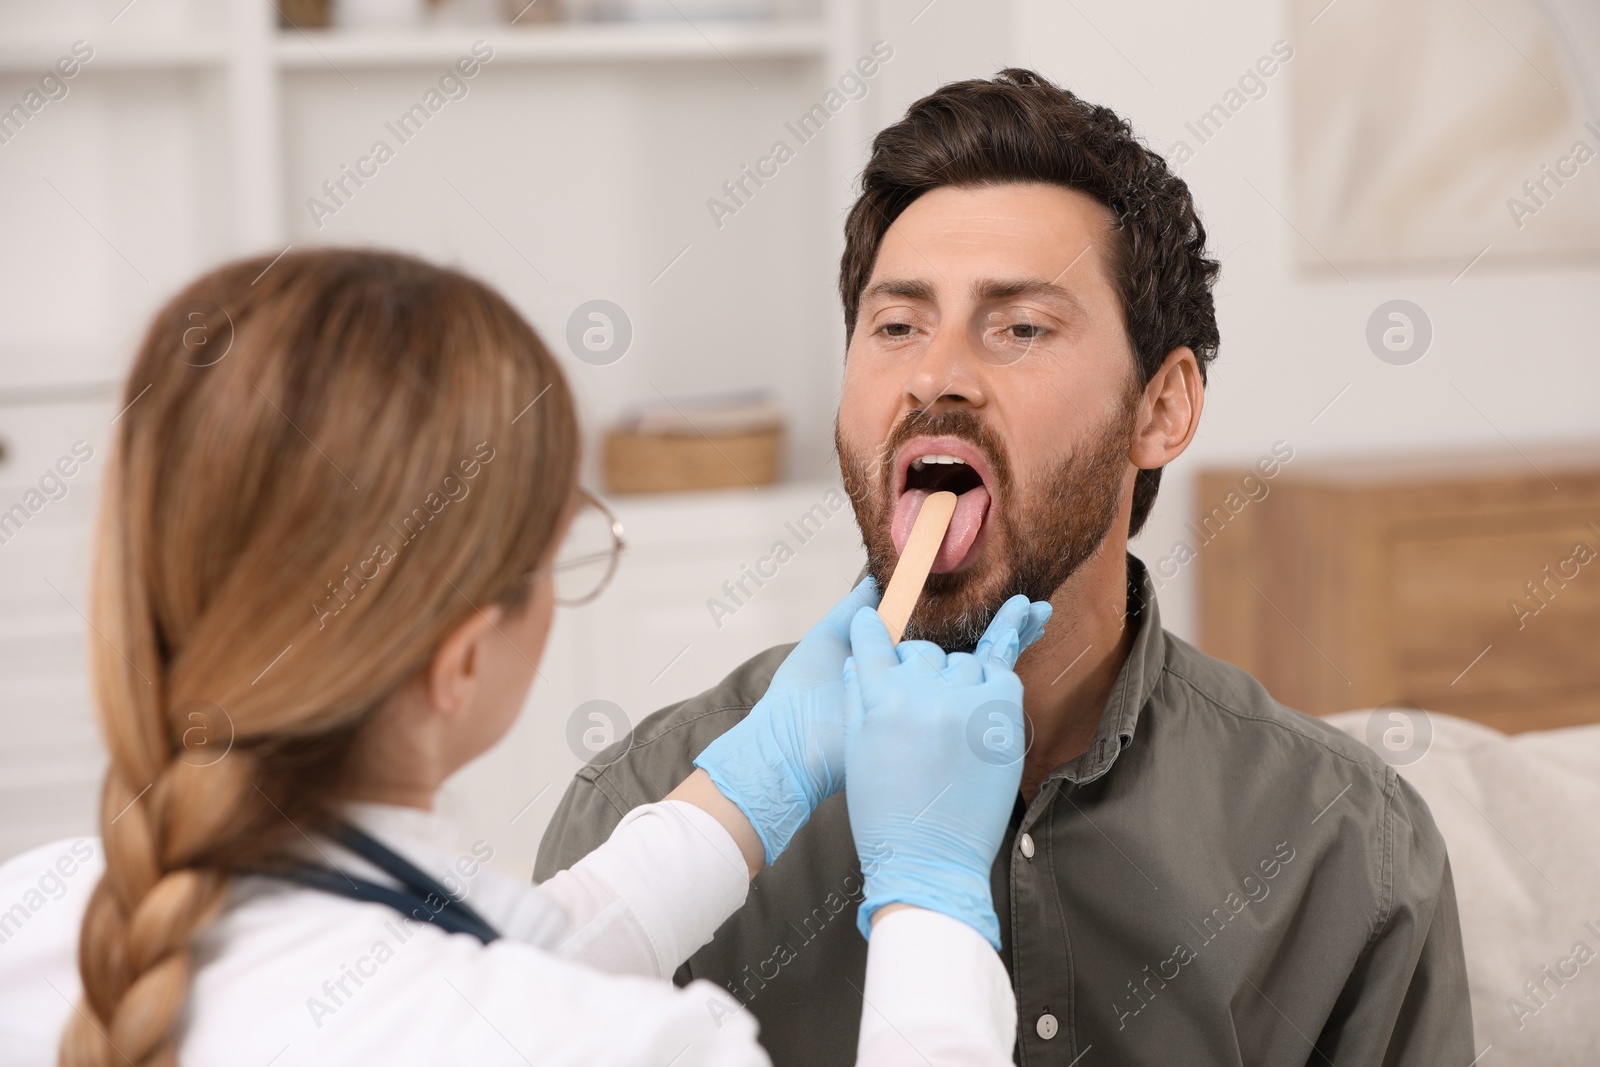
x=934, y=757
x=788, y=754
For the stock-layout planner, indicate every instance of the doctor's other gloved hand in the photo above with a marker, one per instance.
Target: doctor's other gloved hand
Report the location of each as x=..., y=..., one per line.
x=788, y=754
x=934, y=760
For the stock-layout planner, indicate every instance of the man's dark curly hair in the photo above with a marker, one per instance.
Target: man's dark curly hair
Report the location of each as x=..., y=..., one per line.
x=1021, y=128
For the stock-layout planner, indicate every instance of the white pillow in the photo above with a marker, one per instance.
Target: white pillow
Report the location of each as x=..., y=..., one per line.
x=1520, y=816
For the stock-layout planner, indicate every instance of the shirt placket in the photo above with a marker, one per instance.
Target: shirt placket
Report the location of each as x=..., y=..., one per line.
x=1042, y=960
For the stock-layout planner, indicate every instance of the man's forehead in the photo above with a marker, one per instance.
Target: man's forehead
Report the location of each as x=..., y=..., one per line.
x=1001, y=234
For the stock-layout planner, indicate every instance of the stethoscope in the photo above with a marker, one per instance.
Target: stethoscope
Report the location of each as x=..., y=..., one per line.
x=421, y=896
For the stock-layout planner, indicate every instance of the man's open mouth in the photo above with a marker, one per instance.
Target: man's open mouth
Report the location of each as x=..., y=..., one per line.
x=943, y=464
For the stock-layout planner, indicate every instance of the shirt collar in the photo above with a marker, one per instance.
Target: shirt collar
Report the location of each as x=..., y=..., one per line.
x=1134, y=685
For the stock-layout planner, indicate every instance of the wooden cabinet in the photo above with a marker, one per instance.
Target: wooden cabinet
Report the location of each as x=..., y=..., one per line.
x=1466, y=583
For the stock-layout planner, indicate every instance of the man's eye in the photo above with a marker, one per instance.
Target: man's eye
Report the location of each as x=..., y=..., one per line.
x=897, y=329
x=1027, y=331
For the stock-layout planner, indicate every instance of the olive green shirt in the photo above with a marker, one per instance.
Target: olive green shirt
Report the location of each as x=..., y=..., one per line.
x=1217, y=880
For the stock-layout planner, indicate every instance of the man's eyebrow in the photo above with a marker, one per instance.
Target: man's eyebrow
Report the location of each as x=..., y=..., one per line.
x=990, y=290
x=987, y=290
x=905, y=288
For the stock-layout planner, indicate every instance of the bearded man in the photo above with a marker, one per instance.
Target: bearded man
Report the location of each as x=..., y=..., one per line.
x=1193, y=873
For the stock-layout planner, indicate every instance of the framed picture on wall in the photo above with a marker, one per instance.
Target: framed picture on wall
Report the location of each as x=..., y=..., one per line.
x=1434, y=132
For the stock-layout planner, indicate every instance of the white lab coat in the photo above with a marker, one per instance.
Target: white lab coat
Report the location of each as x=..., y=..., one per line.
x=290, y=976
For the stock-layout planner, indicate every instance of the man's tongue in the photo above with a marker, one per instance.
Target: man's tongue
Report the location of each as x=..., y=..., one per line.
x=965, y=525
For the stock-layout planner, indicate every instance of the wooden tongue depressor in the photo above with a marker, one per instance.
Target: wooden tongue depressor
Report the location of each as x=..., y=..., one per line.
x=905, y=585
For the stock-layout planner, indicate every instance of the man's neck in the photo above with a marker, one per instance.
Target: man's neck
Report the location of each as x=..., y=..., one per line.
x=1068, y=674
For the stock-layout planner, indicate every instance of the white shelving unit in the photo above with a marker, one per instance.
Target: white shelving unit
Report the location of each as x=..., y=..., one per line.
x=256, y=57
x=581, y=43
x=189, y=52
x=242, y=79
x=578, y=166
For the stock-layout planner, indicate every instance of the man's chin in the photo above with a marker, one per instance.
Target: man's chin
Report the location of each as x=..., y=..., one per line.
x=959, y=633
x=956, y=608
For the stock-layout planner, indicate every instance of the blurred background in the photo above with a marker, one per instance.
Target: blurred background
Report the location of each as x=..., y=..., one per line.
x=1399, y=445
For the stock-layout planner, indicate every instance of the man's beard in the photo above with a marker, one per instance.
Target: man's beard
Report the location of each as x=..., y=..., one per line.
x=1048, y=530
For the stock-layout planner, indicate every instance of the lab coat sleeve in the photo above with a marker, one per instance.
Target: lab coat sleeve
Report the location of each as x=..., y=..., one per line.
x=669, y=875
x=936, y=993
x=509, y=1003
x=656, y=891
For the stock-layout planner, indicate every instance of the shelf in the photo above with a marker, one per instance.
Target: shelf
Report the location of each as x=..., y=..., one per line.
x=156, y=53
x=58, y=392
x=573, y=43
x=581, y=42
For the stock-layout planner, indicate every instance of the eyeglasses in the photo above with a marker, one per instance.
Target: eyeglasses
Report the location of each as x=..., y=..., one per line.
x=587, y=559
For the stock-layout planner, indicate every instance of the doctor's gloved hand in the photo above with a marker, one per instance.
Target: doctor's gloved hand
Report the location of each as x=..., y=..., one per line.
x=934, y=754
x=787, y=755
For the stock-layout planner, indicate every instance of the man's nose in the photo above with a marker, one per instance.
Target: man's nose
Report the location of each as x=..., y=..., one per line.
x=948, y=373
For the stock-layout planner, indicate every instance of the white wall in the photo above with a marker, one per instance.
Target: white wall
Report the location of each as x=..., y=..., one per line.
x=1521, y=344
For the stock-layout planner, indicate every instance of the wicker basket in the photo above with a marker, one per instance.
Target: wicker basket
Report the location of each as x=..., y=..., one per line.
x=305, y=14
x=663, y=463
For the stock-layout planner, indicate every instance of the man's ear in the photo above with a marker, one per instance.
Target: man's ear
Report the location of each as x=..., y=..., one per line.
x=457, y=664
x=1169, y=411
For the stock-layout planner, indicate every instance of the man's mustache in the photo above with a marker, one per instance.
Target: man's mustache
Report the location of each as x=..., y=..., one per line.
x=958, y=423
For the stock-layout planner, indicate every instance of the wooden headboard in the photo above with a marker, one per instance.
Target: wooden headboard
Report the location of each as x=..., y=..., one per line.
x=1466, y=583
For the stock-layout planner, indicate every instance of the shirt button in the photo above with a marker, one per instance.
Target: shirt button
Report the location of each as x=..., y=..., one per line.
x=1026, y=845
x=1047, y=1026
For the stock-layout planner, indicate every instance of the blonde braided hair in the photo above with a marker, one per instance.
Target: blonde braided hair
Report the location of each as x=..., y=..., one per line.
x=228, y=690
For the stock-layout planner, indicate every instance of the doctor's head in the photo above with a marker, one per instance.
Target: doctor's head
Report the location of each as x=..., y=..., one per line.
x=1029, y=317
x=323, y=557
